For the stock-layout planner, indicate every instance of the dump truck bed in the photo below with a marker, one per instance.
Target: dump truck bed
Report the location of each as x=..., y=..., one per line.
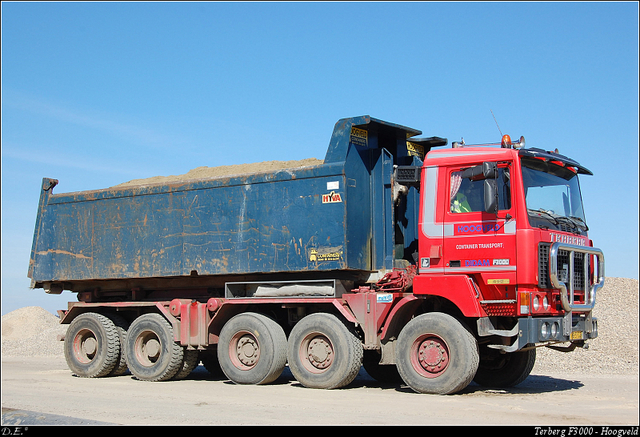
x=337, y=216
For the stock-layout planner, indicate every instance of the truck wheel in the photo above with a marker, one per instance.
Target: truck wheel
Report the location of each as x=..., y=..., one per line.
x=189, y=362
x=323, y=352
x=121, y=325
x=505, y=370
x=91, y=345
x=252, y=349
x=210, y=362
x=381, y=373
x=436, y=354
x=151, y=352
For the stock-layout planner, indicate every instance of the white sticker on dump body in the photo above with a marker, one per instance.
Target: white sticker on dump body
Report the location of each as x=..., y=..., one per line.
x=333, y=185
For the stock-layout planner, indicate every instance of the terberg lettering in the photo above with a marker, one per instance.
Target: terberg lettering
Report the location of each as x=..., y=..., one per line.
x=568, y=239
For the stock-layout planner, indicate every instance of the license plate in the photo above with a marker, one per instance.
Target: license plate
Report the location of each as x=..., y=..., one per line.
x=576, y=335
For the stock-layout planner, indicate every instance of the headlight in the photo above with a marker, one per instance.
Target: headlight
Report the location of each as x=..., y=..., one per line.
x=545, y=303
x=536, y=303
x=554, y=329
x=544, y=330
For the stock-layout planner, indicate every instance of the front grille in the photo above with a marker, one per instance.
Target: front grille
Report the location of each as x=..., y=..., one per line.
x=563, y=267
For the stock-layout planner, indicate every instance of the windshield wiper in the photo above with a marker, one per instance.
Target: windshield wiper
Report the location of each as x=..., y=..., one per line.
x=581, y=223
x=576, y=222
x=545, y=214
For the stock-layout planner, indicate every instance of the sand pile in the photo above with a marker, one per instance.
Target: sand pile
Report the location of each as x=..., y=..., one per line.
x=32, y=331
x=223, y=171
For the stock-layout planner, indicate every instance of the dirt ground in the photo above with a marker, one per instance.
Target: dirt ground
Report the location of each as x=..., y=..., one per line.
x=41, y=390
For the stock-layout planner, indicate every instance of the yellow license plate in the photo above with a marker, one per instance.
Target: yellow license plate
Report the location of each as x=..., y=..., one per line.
x=576, y=335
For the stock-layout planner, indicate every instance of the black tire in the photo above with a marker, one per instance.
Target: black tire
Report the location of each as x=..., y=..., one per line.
x=150, y=351
x=323, y=352
x=436, y=354
x=504, y=370
x=387, y=373
x=122, y=326
x=209, y=359
x=252, y=349
x=92, y=345
x=190, y=361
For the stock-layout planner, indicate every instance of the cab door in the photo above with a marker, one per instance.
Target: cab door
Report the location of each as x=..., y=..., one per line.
x=482, y=244
x=432, y=229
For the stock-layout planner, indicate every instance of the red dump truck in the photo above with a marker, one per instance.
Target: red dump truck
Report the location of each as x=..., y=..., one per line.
x=429, y=265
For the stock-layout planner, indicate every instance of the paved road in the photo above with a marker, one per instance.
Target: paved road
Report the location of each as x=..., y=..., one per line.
x=43, y=391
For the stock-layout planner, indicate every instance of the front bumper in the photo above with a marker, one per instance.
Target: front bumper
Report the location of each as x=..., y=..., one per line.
x=540, y=331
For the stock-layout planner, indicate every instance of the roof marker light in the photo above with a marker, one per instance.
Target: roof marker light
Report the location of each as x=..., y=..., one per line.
x=506, y=141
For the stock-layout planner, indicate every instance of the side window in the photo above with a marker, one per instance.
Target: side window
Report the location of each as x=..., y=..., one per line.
x=467, y=195
x=504, y=188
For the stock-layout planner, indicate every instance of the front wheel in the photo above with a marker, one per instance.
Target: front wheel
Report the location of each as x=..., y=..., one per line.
x=504, y=370
x=436, y=354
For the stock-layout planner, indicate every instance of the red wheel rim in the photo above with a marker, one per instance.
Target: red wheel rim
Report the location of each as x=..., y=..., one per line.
x=147, y=348
x=244, y=350
x=85, y=346
x=316, y=353
x=430, y=355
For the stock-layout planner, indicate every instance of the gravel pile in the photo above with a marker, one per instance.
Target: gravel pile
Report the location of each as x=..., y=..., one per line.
x=33, y=331
x=615, y=351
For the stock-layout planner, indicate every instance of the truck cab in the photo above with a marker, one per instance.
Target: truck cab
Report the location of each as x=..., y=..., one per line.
x=504, y=232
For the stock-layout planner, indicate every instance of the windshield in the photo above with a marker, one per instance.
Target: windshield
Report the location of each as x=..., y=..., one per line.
x=552, y=195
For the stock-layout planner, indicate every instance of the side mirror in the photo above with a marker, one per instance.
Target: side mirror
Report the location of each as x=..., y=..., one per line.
x=486, y=170
x=491, y=196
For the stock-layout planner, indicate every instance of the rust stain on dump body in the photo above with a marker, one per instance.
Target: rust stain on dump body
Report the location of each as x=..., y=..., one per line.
x=64, y=252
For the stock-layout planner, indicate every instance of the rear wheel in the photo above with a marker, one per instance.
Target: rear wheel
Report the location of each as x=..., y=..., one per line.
x=436, y=354
x=151, y=352
x=92, y=346
x=189, y=363
x=504, y=370
x=252, y=349
x=121, y=325
x=323, y=352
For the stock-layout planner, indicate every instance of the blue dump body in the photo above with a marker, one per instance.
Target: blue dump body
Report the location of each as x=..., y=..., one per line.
x=336, y=217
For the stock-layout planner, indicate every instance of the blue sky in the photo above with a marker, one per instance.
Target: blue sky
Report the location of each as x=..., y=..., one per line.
x=95, y=94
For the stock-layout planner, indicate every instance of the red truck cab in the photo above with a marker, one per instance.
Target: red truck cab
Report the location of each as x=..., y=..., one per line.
x=503, y=234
